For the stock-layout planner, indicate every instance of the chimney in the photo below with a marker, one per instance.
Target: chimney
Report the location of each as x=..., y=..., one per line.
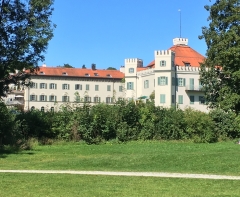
x=93, y=66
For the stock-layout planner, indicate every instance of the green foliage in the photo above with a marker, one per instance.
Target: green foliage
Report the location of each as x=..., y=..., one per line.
x=111, y=68
x=200, y=127
x=25, y=30
x=220, y=75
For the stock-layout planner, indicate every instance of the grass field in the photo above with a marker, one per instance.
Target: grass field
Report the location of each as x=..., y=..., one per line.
x=31, y=185
x=182, y=157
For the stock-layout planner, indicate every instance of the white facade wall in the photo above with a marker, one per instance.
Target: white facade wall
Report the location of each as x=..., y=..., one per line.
x=103, y=92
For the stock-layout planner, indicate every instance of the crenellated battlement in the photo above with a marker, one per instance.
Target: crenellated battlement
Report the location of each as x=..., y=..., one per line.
x=164, y=53
x=133, y=60
x=180, y=41
x=187, y=68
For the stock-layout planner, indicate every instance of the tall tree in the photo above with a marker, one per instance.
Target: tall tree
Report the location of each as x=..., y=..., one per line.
x=220, y=73
x=25, y=30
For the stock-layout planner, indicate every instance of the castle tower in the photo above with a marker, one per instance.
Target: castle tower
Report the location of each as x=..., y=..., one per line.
x=131, y=66
x=165, y=89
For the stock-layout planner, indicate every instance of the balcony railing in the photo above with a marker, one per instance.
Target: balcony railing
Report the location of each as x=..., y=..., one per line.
x=194, y=88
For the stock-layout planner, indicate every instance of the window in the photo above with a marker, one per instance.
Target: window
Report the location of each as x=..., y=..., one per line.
x=96, y=87
x=64, y=73
x=87, y=75
x=146, y=84
x=33, y=97
x=87, y=87
x=65, y=98
x=201, y=100
x=181, y=82
x=96, y=99
x=162, y=81
x=180, y=99
x=131, y=70
x=162, y=63
x=108, y=88
x=187, y=64
x=32, y=108
x=41, y=73
x=65, y=86
x=96, y=74
x=191, y=100
x=108, y=75
x=43, y=86
x=87, y=99
x=77, y=98
x=52, y=98
x=120, y=88
x=173, y=81
x=129, y=85
x=191, y=84
x=108, y=100
x=33, y=85
x=42, y=109
x=162, y=98
x=173, y=98
x=43, y=98
x=78, y=87
x=52, y=109
x=52, y=86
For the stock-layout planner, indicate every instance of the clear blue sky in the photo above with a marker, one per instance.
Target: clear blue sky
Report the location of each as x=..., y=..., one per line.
x=105, y=32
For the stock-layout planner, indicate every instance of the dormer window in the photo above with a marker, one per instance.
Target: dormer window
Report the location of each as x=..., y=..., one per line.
x=131, y=70
x=87, y=75
x=186, y=63
x=64, y=73
x=108, y=75
x=96, y=74
x=41, y=73
x=162, y=63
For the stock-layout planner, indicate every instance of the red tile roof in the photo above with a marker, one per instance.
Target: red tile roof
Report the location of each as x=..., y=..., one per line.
x=184, y=54
x=79, y=72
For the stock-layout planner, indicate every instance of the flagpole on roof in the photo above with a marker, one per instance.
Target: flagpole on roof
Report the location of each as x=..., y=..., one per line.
x=180, y=23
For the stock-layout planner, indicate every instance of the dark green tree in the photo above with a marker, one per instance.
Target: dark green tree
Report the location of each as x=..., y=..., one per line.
x=25, y=30
x=220, y=73
x=111, y=68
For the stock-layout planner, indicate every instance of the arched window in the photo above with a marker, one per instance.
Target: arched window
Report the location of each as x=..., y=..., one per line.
x=42, y=109
x=52, y=109
x=32, y=108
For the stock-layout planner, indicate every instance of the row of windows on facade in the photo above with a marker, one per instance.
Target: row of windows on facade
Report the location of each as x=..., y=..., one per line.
x=192, y=100
x=164, y=81
x=67, y=86
x=163, y=63
x=53, y=98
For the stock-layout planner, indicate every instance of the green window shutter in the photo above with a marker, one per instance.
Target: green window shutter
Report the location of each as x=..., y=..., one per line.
x=173, y=81
x=159, y=80
x=162, y=98
x=45, y=85
x=132, y=86
x=191, y=84
x=30, y=97
x=49, y=98
x=45, y=98
x=62, y=98
x=50, y=86
x=180, y=99
x=76, y=86
x=63, y=86
x=166, y=80
x=36, y=85
x=184, y=82
x=176, y=81
x=55, y=86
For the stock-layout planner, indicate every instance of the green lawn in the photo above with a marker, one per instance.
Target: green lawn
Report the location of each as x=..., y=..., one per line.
x=185, y=157
x=60, y=185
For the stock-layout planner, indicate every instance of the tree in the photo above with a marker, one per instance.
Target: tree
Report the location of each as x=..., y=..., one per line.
x=66, y=66
x=111, y=68
x=25, y=30
x=220, y=73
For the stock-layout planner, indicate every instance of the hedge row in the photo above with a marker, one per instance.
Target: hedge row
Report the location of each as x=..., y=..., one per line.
x=123, y=121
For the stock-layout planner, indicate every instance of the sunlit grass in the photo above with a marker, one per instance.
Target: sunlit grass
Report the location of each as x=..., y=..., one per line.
x=185, y=157
x=31, y=185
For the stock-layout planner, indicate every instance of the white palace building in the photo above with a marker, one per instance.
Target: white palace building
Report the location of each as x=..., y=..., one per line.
x=173, y=76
